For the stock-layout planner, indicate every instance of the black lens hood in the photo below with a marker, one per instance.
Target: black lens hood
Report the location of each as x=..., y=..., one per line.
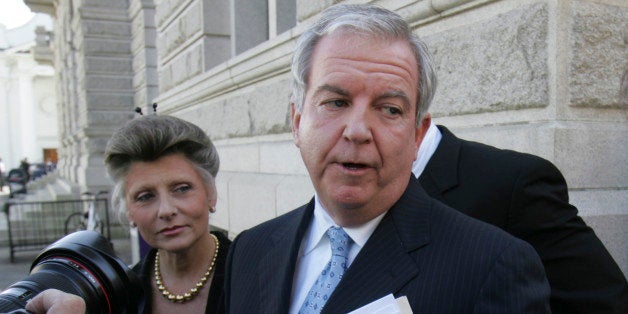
x=89, y=253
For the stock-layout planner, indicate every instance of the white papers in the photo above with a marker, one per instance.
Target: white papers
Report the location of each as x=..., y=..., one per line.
x=386, y=305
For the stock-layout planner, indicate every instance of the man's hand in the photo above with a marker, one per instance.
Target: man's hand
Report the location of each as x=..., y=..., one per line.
x=53, y=301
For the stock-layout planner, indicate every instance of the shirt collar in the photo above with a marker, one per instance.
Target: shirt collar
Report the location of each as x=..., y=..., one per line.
x=426, y=149
x=322, y=221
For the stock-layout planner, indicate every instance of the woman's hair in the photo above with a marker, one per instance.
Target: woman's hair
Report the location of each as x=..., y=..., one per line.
x=366, y=20
x=151, y=137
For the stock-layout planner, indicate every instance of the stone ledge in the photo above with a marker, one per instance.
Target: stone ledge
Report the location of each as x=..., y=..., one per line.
x=600, y=202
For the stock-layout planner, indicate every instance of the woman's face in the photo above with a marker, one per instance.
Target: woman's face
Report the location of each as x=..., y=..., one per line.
x=169, y=201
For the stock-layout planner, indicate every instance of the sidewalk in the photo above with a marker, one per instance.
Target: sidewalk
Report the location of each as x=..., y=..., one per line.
x=11, y=272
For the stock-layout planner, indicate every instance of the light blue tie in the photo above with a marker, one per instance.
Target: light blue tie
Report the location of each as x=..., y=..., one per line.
x=331, y=274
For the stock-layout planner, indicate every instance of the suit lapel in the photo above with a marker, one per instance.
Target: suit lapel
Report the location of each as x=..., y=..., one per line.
x=384, y=265
x=441, y=171
x=286, y=244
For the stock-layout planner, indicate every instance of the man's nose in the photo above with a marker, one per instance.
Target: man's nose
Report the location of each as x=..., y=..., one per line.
x=358, y=124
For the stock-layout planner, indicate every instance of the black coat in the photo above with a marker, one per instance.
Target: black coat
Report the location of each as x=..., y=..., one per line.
x=526, y=196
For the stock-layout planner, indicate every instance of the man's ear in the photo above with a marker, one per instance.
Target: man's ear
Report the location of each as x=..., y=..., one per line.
x=295, y=117
x=421, y=130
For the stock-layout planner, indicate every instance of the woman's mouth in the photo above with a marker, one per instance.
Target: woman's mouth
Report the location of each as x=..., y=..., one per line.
x=170, y=231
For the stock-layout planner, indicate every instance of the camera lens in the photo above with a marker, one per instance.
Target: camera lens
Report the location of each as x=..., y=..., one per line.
x=82, y=263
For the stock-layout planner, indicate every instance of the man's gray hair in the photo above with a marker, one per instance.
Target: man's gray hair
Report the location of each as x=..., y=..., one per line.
x=363, y=19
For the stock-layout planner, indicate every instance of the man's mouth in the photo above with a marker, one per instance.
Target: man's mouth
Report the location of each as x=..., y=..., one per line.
x=353, y=166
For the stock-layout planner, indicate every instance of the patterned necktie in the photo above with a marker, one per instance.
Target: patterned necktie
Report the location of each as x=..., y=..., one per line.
x=331, y=274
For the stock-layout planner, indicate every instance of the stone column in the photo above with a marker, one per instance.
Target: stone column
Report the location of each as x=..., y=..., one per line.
x=95, y=76
x=144, y=51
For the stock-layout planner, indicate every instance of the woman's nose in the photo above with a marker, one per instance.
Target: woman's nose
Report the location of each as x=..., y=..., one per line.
x=166, y=209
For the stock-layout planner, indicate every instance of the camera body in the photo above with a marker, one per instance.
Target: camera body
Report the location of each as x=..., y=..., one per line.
x=82, y=263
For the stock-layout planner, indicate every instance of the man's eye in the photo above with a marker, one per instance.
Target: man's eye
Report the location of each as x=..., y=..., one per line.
x=394, y=111
x=336, y=103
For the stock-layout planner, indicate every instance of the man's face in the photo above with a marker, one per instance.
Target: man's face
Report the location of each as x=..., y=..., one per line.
x=356, y=132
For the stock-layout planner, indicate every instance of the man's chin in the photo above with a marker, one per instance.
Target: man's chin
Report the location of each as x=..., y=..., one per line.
x=351, y=214
x=349, y=198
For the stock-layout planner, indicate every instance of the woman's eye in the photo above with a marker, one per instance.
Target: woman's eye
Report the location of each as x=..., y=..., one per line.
x=182, y=188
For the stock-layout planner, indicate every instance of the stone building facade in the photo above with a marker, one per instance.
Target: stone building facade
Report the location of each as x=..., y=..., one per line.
x=548, y=77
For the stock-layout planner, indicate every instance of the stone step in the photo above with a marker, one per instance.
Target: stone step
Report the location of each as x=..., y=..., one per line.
x=62, y=189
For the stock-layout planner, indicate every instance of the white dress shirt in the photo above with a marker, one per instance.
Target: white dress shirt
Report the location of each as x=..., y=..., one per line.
x=315, y=251
x=426, y=150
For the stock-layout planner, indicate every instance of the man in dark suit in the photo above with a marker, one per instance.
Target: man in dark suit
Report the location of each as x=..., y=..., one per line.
x=362, y=83
x=526, y=196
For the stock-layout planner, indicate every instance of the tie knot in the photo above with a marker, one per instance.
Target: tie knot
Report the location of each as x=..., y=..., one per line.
x=339, y=240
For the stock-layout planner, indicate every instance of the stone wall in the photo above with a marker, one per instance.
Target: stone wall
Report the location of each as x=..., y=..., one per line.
x=547, y=77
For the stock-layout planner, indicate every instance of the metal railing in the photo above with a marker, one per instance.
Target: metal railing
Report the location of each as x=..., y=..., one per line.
x=35, y=225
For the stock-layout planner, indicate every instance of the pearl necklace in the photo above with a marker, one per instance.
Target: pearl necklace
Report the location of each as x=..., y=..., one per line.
x=181, y=298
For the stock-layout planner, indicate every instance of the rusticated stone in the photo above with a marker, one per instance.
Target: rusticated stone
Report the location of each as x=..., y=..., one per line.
x=258, y=111
x=598, y=71
x=495, y=65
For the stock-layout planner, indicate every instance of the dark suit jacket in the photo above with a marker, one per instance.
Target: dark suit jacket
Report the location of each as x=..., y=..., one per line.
x=526, y=196
x=442, y=260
